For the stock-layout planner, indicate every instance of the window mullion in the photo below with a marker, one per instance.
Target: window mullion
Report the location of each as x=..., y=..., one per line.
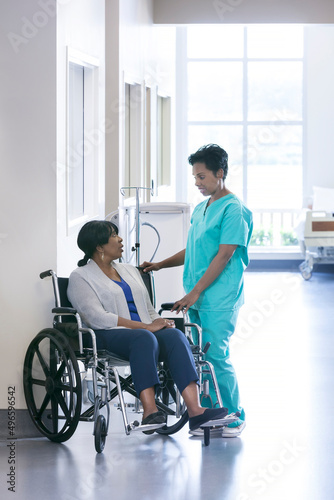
x=245, y=117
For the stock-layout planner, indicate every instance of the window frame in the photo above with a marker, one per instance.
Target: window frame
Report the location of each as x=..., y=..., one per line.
x=245, y=123
x=90, y=138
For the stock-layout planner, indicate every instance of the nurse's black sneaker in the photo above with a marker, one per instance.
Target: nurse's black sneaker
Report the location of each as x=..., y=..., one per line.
x=208, y=415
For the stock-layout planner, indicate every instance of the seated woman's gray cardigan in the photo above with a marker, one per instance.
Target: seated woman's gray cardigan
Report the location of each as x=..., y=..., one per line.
x=100, y=301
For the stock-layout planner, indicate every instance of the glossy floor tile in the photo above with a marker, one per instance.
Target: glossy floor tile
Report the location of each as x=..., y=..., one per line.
x=283, y=351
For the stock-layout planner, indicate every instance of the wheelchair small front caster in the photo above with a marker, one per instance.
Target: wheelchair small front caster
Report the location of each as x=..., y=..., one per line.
x=100, y=433
x=307, y=273
x=306, y=270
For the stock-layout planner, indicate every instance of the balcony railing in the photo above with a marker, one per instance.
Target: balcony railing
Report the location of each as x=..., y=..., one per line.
x=275, y=228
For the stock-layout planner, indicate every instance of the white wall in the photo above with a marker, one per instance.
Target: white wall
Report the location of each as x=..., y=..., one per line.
x=33, y=144
x=319, y=108
x=112, y=148
x=243, y=11
x=80, y=27
x=28, y=181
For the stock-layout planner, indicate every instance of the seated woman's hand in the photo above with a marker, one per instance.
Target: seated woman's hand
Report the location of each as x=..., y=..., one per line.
x=160, y=324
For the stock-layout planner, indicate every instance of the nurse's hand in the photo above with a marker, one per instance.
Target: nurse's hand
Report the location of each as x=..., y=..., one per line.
x=150, y=266
x=186, y=302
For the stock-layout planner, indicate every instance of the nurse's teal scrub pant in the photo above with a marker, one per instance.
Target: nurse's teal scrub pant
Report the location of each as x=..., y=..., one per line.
x=217, y=328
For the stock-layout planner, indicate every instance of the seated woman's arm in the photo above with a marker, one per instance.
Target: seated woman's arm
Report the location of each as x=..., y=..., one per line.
x=85, y=300
x=157, y=324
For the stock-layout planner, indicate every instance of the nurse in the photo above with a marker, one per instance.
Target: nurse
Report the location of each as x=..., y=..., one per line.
x=214, y=262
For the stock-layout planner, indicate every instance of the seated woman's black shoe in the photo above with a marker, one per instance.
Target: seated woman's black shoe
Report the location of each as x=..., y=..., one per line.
x=159, y=417
x=209, y=414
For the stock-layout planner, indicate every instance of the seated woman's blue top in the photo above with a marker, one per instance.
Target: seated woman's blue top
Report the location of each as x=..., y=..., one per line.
x=129, y=298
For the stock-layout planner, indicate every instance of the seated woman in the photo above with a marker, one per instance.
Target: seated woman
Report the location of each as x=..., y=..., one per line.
x=113, y=300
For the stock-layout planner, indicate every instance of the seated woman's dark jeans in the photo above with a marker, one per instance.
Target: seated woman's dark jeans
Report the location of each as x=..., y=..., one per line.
x=144, y=349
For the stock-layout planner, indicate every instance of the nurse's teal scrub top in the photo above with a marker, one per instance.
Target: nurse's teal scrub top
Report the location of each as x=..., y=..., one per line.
x=225, y=221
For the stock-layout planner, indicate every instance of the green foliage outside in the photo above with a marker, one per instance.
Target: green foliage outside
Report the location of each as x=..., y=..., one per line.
x=262, y=237
x=288, y=238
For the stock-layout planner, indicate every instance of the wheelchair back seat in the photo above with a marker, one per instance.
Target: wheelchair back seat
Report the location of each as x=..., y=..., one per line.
x=62, y=286
x=66, y=324
x=149, y=283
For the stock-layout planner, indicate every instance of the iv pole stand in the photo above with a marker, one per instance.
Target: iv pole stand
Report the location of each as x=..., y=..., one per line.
x=136, y=248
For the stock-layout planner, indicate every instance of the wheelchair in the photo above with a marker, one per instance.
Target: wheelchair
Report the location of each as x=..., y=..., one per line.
x=56, y=365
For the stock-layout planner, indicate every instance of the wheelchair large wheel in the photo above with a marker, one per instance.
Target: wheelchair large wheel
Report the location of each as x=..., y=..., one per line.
x=52, y=385
x=177, y=415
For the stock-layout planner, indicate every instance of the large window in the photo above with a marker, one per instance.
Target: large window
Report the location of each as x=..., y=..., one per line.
x=133, y=151
x=83, y=139
x=245, y=93
x=76, y=127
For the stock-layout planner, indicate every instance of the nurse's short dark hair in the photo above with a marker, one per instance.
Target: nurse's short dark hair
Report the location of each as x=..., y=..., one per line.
x=213, y=156
x=91, y=235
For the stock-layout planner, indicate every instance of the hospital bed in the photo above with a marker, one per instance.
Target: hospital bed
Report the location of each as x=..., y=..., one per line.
x=317, y=241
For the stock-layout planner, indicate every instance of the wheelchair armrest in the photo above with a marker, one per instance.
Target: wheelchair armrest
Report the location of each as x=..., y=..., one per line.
x=64, y=310
x=206, y=347
x=196, y=349
x=166, y=306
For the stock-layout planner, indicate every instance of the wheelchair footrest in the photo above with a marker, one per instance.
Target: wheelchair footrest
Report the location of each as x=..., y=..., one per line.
x=222, y=422
x=145, y=427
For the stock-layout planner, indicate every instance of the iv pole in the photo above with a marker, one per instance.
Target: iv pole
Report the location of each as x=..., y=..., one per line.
x=136, y=248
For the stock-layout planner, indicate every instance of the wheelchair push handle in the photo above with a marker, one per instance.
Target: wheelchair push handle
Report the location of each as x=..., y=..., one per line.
x=46, y=274
x=166, y=306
